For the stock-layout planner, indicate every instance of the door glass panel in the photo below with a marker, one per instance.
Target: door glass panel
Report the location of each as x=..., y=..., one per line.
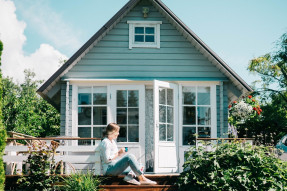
x=189, y=135
x=133, y=116
x=169, y=114
x=133, y=133
x=121, y=98
x=133, y=99
x=189, y=116
x=204, y=116
x=84, y=132
x=169, y=132
x=84, y=96
x=128, y=115
x=188, y=95
x=204, y=132
x=162, y=114
x=162, y=132
x=84, y=116
x=161, y=96
x=169, y=97
x=100, y=115
x=203, y=95
x=98, y=132
x=123, y=134
x=122, y=116
x=100, y=96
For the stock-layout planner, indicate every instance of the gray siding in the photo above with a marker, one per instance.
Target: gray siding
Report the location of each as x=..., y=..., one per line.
x=112, y=58
x=225, y=111
x=63, y=109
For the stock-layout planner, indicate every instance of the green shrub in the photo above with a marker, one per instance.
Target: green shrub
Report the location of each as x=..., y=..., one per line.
x=81, y=182
x=231, y=166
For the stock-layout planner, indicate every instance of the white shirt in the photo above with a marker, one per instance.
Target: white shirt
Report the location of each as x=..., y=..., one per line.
x=108, y=150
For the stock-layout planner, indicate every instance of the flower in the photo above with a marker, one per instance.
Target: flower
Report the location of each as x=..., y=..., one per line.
x=250, y=96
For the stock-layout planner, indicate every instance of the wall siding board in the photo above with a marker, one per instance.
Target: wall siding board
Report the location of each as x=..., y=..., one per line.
x=63, y=108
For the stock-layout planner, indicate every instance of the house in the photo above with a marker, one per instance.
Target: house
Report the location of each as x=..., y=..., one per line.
x=148, y=72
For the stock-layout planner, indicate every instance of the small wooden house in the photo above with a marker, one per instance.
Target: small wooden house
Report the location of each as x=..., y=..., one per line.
x=148, y=72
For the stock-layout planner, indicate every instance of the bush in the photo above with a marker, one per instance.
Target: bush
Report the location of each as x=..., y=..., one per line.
x=81, y=182
x=232, y=166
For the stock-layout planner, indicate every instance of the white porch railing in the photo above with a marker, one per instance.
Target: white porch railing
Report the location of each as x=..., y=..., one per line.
x=69, y=156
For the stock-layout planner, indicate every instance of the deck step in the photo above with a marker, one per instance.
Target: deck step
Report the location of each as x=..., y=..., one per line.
x=138, y=187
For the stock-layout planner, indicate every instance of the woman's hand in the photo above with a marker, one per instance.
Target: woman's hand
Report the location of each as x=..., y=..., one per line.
x=121, y=151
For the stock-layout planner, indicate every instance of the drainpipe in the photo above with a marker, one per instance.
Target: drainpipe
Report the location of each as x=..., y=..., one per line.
x=221, y=110
x=67, y=109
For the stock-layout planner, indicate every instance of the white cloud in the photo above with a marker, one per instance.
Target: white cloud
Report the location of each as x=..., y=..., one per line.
x=49, y=24
x=44, y=61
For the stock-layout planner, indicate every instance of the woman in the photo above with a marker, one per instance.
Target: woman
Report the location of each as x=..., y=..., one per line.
x=114, y=164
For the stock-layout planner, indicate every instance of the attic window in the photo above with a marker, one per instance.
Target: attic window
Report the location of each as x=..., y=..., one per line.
x=144, y=34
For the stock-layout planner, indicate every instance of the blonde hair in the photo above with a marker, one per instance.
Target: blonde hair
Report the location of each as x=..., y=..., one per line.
x=111, y=128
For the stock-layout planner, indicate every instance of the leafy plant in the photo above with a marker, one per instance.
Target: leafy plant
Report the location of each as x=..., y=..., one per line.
x=233, y=166
x=82, y=182
x=41, y=167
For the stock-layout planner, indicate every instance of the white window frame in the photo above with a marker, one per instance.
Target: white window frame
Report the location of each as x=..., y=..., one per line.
x=133, y=24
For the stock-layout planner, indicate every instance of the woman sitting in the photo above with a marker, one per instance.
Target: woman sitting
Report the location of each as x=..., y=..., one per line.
x=114, y=164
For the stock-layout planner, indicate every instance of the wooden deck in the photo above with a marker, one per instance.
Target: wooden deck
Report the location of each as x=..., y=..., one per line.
x=116, y=183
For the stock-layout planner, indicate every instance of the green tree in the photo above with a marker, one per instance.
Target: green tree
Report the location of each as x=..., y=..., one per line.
x=2, y=130
x=272, y=68
x=25, y=111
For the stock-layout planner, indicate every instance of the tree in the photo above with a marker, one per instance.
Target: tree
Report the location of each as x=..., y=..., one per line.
x=25, y=111
x=272, y=68
x=2, y=130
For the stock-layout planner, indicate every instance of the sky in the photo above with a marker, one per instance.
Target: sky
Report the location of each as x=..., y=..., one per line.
x=39, y=34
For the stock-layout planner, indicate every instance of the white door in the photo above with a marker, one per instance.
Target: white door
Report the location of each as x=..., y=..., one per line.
x=165, y=127
x=128, y=111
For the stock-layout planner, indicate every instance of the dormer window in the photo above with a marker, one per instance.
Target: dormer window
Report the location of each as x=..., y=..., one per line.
x=144, y=34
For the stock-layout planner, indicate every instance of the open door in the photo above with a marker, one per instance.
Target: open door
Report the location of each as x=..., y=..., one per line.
x=165, y=127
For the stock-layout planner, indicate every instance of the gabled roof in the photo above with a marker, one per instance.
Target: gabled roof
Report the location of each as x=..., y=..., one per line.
x=241, y=85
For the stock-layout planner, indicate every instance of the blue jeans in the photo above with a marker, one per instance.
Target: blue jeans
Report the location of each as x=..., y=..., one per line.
x=121, y=165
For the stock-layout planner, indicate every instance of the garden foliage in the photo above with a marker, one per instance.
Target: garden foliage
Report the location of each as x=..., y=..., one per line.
x=41, y=167
x=232, y=166
x=2, y=130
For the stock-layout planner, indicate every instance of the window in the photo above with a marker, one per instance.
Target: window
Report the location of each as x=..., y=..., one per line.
x=145, y=34
x=92, y=112
x=196, y=110
x=128, y=115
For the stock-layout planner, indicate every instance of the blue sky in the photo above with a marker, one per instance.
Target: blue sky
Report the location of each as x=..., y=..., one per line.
x=237, y=30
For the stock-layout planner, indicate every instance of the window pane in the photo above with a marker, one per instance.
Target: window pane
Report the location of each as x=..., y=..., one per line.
x=188, y=94
x=204, y=115
x=162, y=132
x=133, y=116
x=170, y=97
x=149, y=38
x=100, y=115
x=139, y=38
x=188, y=135
x=162, y=114
x=169, y=114
x=189, y=116
x=169, y=132
x=122, y=116
x=149, y=30
x=203, y=132
x=123, y=134
x=139, y=30
x=203, y=95
x=98, y=132
x=84, y=132
x=121, y=98
x=84, y=116
x=84, y=96
x=162, y=96
x=133, y=134
x=100, y=96
x=133, y=98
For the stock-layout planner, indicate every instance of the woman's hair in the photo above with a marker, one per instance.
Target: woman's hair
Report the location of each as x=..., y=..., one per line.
x=111, y=128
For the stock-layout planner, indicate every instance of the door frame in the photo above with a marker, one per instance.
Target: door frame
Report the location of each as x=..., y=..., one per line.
x=157, y=143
